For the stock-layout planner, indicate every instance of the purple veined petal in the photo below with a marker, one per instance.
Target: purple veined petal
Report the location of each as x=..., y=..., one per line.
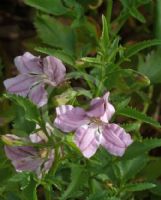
x=54, y=69
x=27, y=63
x=14, y=153
x=109, y=109
x=20, y=84
x=97, y=107
x=27, y=164
x=70, y=118
x=38, y=95
x=87, y=139
x=115, y=140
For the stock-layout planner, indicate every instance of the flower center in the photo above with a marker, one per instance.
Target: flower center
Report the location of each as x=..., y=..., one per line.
x=96, y=121
x=43, y=152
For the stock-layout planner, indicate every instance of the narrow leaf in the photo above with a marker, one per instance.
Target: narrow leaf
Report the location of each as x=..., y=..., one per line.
x=139, y=186
x=135, y=114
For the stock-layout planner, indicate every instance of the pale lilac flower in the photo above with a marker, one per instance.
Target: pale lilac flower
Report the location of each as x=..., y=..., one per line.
x=35, y=72
x=28, y=158
x=92, y=127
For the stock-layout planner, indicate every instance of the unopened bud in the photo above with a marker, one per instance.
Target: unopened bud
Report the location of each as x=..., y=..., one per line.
x=12, y=140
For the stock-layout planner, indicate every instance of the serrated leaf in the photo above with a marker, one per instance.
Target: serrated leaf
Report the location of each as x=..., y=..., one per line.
x=134, y=49
x=152, y=66
x=139, y=186
x=131, y=126
x=55, y=7
x=135, y=114
x=31, y=111
x=64, y=56
x=55, y=34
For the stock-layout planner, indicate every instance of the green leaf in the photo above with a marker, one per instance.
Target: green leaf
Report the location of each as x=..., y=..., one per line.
x=138, y=148
x=104, y=40
x=55, y=34
x=135, y=114
x=152, y=170
x=55, y=7
x=134, y=49
x=131, y=126
x=78, y=179
x=126, y=169
x=31, y=111
x=151, y=67
x=139, y=186
x=130, y=7
x=30, y=191
x=21, y=125
x=64, y=56
x=136, y=14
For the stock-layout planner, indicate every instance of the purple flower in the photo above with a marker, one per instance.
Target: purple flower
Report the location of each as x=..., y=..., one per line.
x=35, y=72
x=28, y=158
x=92, y=127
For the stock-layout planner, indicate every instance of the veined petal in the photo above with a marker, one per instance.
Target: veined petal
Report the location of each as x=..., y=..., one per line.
x=27, y=163
x=115, y=139
x=54, y=69
x=97, y=108
x=15, y=152
x=109, y=109
x=38, y=95
x=27, y=63
x=70, y=118
x=20, y=84
x=87, y=140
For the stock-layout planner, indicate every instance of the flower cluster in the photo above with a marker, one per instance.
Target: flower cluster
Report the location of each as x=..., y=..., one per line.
x=92, y=128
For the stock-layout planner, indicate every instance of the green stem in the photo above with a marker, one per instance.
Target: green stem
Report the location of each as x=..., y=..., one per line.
x=48, y=192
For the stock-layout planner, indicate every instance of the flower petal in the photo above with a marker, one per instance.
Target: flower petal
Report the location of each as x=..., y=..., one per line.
x=115, y=139
x=38, y=95
x=27, y=63
x=20, y=84
x=87, y=139
x=70, y=118
x=27, y=164
x=17, y=152
x=97, y=108
x=109, y=109
x=54, y=69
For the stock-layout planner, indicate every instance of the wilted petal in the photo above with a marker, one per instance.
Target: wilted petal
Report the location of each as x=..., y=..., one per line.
x=17, y=152
x=27, y=164
x=70, y=118
x=20, y=84
x=87, y=139
x=54, y=69
x=97, y=108
x=27, y=63
x=115, y=139
x=38, y=95
x=109, y=109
